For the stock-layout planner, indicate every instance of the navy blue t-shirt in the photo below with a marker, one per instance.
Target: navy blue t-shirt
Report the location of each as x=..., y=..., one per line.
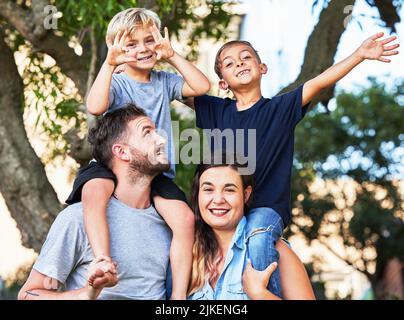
x=274, y=120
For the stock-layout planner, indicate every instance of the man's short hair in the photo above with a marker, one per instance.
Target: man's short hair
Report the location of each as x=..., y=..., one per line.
x=131, y=19
x=229, y=44
x=111, y=129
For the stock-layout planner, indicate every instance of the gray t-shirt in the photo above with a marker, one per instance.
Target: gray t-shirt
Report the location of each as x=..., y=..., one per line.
x=140, y=244
x=154, y=97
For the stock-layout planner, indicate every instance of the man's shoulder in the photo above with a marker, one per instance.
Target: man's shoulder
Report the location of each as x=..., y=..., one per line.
x=115, y=205
x=72, y=215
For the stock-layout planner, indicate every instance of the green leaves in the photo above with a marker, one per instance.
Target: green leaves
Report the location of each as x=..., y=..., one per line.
x=53, y=101
x=361, y=142
x=81, y=15
x=209, y=18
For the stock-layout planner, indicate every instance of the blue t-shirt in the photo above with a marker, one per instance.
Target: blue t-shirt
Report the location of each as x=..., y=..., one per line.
x=274, y=121
x=154, y=98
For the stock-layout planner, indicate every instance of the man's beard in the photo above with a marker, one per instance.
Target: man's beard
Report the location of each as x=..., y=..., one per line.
x=143, y=166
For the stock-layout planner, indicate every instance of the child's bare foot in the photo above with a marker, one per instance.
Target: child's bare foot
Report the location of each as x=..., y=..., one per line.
x=102, y=279
x=101, y=273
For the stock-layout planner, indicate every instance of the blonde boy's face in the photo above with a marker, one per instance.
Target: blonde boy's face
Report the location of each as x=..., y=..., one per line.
x=240, y=67
x=141, y=45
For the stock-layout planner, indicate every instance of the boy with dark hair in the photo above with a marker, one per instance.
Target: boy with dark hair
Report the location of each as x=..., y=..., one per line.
x=240, y=70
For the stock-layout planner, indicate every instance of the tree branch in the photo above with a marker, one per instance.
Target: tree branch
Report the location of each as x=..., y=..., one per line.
x=30, y=25
x=388, y=12
x=80, y=149
x=322, y=47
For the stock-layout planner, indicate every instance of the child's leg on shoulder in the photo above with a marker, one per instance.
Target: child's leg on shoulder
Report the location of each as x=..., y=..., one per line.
x=180, y=218
x=264, y=229
x=95, y=197
x=93, y=187
x=171, y=203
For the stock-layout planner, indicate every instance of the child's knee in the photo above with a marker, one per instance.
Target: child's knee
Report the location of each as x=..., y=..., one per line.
x=185, y=215
x=98, y=187
x=177, y=214
x=262, y=237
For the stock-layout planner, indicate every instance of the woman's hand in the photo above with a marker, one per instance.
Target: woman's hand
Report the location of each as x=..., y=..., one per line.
x=255, y=282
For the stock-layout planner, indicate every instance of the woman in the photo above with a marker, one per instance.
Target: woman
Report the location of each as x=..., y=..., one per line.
x=221, y=269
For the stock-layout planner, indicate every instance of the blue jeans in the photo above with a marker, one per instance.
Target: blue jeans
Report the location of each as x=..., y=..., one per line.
x=169, y=282
x=264, y=229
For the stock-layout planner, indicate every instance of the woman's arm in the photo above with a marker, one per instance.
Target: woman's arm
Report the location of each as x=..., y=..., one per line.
x=295, y=281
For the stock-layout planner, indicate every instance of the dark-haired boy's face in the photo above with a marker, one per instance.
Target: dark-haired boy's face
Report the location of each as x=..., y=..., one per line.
x=240, y=67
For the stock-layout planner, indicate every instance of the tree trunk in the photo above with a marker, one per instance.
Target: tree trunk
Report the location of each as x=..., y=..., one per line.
x=322, y=46
x=28, y=194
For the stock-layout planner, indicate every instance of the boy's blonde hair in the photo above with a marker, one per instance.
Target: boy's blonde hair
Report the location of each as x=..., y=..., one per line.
x=130, y=19
x=218, y=63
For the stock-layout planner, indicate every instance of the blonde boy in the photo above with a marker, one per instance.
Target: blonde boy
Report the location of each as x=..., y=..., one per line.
x=133, y=38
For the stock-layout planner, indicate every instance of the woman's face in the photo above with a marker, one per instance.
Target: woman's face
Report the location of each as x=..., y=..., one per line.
x=221, y=198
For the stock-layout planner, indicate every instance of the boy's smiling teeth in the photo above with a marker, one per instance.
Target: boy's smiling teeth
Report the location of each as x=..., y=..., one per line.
x=242, y=73
x=145, y=58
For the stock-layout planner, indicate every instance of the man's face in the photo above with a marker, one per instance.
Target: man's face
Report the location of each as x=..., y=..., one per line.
x=240, y=67
x=145, y=149
x=141, y=45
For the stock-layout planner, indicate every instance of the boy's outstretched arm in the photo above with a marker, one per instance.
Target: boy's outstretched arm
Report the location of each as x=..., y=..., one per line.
x=98, y=97
x=370, y=49
x=196, y=83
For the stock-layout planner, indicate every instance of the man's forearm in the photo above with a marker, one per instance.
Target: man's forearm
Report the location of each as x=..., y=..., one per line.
x=42, y=294
x=194, y=78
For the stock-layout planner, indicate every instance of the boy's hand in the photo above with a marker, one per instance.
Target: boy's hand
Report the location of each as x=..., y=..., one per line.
x=117, y=50
x=162, y=45
x=376, y=50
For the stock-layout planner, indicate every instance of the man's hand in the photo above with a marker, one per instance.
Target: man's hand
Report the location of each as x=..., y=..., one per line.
x=372, y=49
x=162, y=45
x=255, y=282
x=117, y=52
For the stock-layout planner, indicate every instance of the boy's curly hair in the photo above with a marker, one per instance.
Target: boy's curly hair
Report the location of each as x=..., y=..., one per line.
x=131, y=19
x=229, y=44
x=110, y=129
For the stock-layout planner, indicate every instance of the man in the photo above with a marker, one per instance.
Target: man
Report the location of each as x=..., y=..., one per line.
x=125, y=141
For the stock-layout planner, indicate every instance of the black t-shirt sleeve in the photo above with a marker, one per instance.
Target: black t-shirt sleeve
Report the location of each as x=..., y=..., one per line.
x=289, y=107
x=207, y=109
